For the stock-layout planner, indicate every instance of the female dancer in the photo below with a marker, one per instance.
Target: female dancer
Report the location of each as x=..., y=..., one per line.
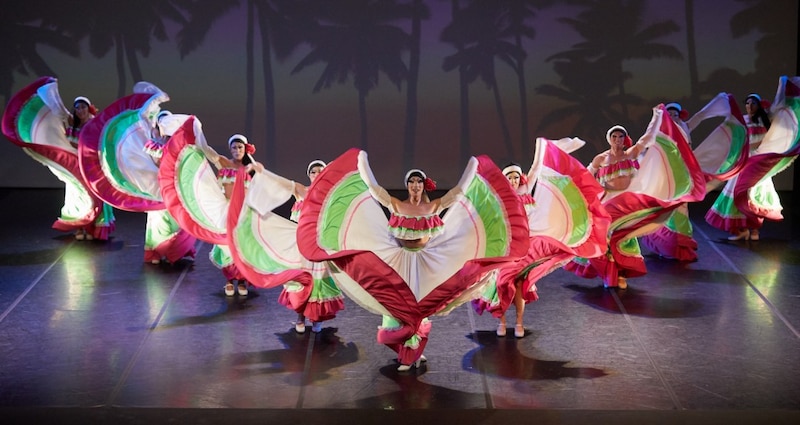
x=513, y=173
x=220, y=255
x=37, y=121
x=83, y=111
x=417, y=263
x=639, y=193
x=312, y=171
x=120, y=160
x=164, y=239
x=264, y=247
x=750, y=196
x=615, y=168
x=566, y=220
x=674, y=240
x=724, y=214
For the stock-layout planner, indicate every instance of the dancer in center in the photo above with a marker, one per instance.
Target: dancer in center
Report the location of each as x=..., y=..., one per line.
x=644, y=183
x=418, y=263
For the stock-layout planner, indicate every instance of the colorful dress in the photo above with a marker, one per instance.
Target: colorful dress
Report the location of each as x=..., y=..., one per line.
x=484, y=227
x=567, y=221
x=220, y=254
x=35, y=121
x=750, y=197
x=119, y=159
x=668, y=176
x=264, y=245
x=721, y=155
x=163, y=236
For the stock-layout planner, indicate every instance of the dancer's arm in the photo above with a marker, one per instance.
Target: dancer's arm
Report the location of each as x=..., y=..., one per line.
x=379, y=193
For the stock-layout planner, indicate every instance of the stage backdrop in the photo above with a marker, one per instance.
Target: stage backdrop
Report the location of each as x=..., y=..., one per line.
x=417, y=83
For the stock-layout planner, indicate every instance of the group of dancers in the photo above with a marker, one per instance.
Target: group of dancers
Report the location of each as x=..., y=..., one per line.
x=486, y=242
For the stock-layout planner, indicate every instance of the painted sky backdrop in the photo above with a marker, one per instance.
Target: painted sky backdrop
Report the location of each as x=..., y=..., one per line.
x=210, y=82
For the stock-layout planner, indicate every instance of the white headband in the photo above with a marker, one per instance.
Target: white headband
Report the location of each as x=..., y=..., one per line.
x=613, y=129
x=755, y=96
x=415, y=170
x=237, y=138
x=88, y=102
x=512, y=169
x=315, y=163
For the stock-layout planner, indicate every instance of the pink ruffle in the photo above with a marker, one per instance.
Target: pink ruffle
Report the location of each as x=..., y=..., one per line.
x=669, y=244
x=732, y=225
x=180, y=245
x=295, y=300
x=626, y=167
x=323, y=310
x=407, y=227
x=527, y=199
x=294, y=215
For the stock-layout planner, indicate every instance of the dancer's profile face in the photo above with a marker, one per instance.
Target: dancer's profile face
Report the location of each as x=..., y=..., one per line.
x=314, y=173
x=513, y=178
x=237, y=150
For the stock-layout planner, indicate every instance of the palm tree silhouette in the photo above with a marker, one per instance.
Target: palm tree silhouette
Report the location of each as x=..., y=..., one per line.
x=357, y=37
x=767, y=17
x=691, y=52
x=419, y=12
x=273, y=22
x=587, y=89
x=625, y=40
x=516, y=15
x=463, y=93
x=125, y=27
x=20, y=40
x=477, y=32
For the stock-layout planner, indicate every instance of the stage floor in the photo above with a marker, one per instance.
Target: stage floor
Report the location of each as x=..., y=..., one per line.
x=91, y=334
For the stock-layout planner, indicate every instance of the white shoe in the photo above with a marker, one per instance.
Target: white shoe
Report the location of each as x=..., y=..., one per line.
x=79, y=235
x=156, y=262
x=242, y=289
x=407, y=367
x=754, y=235
x=743, y=235
x=229, y=289
x=316, y=327
x=423, y=359
x=300, y=327
x=519, y=331
x=89, y=237
x=501, y=330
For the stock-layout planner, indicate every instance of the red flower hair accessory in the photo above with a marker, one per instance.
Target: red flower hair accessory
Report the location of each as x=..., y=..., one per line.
x=430, y=185
x=85, y=100
x=765, y=104
x=238, y=138
x=683, y=114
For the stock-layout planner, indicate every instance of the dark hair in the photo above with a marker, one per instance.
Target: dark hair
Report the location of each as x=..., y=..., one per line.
x=247, y=159
x=76, y=122
x=761, y=115
x=415, y=174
